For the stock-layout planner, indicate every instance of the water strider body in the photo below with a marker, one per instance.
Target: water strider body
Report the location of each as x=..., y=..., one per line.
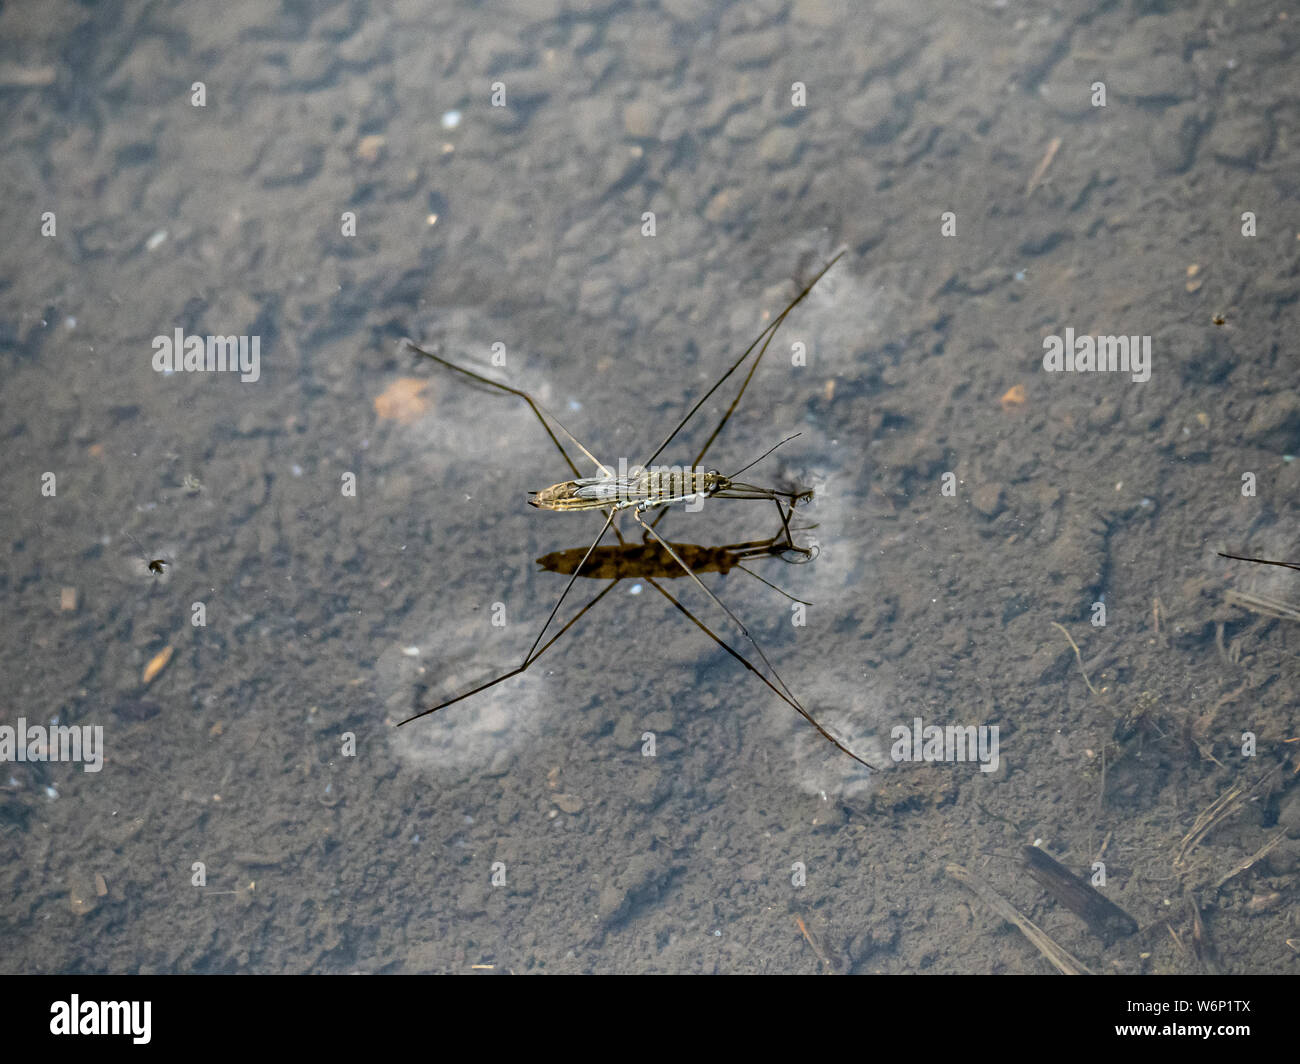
x=645, y=487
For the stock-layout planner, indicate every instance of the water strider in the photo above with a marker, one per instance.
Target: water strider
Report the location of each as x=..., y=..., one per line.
x=642, y=488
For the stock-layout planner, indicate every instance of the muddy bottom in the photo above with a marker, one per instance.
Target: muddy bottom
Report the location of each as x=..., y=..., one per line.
x=245, y=578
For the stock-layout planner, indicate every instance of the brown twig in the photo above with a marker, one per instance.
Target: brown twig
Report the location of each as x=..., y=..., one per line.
x=1064, y=961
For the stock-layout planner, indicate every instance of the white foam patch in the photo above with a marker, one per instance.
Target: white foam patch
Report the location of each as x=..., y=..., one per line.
x=482, y=728
x=851, y=706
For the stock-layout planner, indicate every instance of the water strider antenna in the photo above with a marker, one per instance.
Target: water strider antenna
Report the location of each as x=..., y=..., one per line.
x=762, y=456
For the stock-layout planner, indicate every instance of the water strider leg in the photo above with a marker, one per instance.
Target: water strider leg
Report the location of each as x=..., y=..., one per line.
x=527, y=661
x=776, y=497
x=569, y=586
x=537, y=409
x=765, y=337
x=785, y=521
x=750, y=666
x=788, y=696
x=533, y=652
x=779, y=591
x=721, y=605
x=785, y=524
x=533, y=405
x=769, y=332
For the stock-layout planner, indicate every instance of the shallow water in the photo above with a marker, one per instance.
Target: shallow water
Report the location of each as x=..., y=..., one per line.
x=234, y=828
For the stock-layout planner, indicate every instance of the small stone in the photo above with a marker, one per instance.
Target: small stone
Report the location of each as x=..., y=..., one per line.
x=1275, y=423
x=723, y=206
x=611, y=903
x=685, y=10
x=1242, y=138
x=1151, y=79
x=370, y=148
x=1284, y=859
x=876, y=112
x=823, y=14
x=639, y=120
x=988, y=499
x=779, y=146
x=1288, y=816
x=1173, y=141
x=743, y=125
x=570, y=803
x=81, y=896
x=312, y=63
x=1264, y=903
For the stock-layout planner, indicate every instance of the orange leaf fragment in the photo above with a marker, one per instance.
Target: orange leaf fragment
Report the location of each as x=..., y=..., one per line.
x=156, y=664
x=402, y=401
